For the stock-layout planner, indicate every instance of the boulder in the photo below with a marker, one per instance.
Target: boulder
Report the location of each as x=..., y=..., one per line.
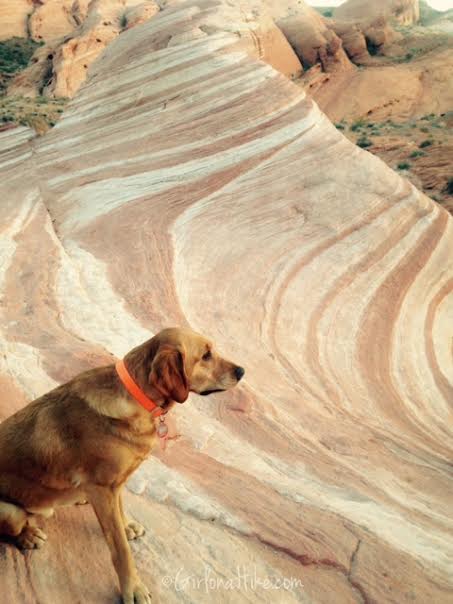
x=315, y=43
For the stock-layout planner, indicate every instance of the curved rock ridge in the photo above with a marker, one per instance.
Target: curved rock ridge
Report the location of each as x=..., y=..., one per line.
x=191, y=183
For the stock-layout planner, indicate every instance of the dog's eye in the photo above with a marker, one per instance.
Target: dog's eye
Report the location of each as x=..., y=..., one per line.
x=207, y=355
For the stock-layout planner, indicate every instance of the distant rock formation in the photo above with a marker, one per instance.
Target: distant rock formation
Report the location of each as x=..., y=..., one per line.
x=312, y=40
x=364, y=39
x=60, y=67
x=315, y=43
x=75, y=32
x=405, y=12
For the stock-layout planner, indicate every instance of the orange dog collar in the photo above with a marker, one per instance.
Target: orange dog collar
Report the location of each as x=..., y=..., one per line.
x=137, y=392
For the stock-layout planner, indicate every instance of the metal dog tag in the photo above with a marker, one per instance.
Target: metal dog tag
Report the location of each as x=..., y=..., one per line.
x=162, y=429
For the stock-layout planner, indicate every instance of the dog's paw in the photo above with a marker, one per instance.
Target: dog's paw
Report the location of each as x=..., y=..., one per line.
x=137, y=594
x=31, y=538
x=133, y=530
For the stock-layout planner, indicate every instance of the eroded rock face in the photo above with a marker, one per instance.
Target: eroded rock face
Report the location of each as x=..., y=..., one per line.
x=361, y=39
x=76, y=33
x=405, y=12
x=401, y=91
x=190, y=183
x=315, y=43
x=312, y=40
x=51, y=19
x=13, y=18
x=354, y=41
x=61, y=66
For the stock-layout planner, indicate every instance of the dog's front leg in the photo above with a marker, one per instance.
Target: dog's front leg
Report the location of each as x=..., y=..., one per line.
x=106, y=504
x=133, y=529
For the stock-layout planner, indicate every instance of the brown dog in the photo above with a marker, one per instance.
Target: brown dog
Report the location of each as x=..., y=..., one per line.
x=84, y=439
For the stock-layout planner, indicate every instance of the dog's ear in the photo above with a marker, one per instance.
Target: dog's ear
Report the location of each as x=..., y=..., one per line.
x=168, y=374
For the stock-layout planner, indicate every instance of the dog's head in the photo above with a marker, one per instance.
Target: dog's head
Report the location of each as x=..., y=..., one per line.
x=178, y=361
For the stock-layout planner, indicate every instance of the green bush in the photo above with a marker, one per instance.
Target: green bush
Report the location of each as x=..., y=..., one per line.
x=123, y=21
x=324, y=10
x=403, y=165
x=339, y=126
x=426, y=143
x=15, y=54
x=417, y=154
x=357, y=125
x=449, y=187
x=364, y=142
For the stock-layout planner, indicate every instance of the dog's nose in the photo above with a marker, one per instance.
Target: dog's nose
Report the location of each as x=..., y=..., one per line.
x=239, y=373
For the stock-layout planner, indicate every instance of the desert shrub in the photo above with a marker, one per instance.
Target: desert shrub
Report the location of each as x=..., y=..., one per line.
x=15, y=54
x=29, y=112
x=404, y=165
x=123, y=21
x=417, y=154
x=364, y=142
x=339, y=126
x=357, y=125
x=426, y=143
x=324, y=11
x=449, y=187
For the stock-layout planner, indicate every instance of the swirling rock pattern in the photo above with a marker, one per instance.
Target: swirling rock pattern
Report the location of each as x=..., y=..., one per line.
x=192, y=183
